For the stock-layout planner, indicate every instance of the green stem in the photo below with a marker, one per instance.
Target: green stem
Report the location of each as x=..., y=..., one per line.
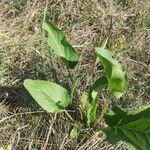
x=43, y=31
x=68, y=115
x=45, y=11
x=70, y=75
x=73, y=122
x=74, y=88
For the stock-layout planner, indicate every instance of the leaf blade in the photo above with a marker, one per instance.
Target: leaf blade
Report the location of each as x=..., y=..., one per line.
x=57, y=41
x=116, y=77
x=92, y=98
x=131, y=127
x=50, y=96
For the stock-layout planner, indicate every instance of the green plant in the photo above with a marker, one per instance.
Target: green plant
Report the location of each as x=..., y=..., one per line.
x=121, y=125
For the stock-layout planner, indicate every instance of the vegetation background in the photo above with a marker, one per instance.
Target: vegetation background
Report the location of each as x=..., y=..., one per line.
x=25, y=54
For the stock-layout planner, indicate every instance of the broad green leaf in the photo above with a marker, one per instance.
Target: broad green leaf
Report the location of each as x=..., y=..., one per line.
x=131, y=127
x=92, y=98
x=57, y=41
x=49, y=95
x=116, y=77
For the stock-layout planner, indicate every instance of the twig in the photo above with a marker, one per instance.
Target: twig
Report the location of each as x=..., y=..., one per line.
x=26, y=113
x=63, y=143
x=49, y=132
x=69, y=117
x=17, y=133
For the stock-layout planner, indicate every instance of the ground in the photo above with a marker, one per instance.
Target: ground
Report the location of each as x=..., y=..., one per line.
x=24, y=54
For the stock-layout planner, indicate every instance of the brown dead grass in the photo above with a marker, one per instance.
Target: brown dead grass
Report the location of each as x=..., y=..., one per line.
x=86, y=24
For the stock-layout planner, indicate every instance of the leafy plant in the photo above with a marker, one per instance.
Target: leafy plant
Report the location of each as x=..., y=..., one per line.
x=130, y=127
x=116, y=77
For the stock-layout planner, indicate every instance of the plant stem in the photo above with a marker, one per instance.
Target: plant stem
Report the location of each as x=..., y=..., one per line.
x=45, y=10
x=68, y=115
x=73, y=122
x=74, y=82
x=70, y=75
x=105, y=108
x=43, y=38
x=73, y=90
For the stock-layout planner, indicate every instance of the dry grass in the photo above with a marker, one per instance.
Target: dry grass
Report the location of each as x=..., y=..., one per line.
x=24, y=54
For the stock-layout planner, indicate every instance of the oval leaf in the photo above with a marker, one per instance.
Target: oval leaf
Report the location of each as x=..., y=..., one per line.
x=57, y=41
x=50, y=96
x=117, y=78
x=131, y=127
